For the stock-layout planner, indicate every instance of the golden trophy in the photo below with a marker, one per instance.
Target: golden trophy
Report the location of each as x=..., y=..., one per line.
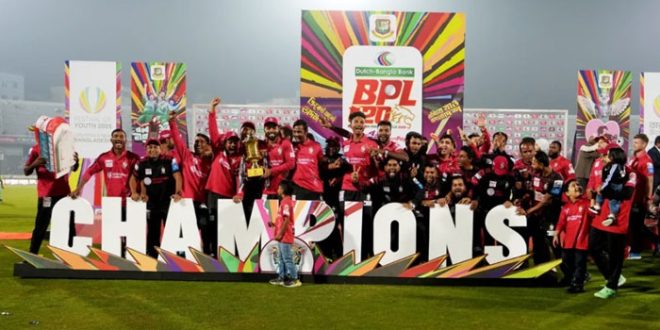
x=253, y=157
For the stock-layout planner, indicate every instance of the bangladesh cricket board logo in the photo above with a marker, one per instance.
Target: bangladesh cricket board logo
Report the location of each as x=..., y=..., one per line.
x=92, y=99
x=382, y=28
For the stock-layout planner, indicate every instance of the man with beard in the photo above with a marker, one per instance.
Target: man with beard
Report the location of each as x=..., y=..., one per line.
x=430, y=192
x=280, y=156
x=559, y=163
x=642, y=165
x=386, y=147
x=494, y=188
x=522, y=172
x=392, y=188
x=195, y=169
x=543, y=213
x=467, y=169
x=332, y=168
x=416, y=156
x=457, y=195
x=306, y=177
x=116, y=164
x=159, y=178
x=426, y=198
x=250, y=188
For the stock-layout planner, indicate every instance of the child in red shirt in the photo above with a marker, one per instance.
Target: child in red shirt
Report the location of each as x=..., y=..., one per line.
x=284, y=235
x=574, y=223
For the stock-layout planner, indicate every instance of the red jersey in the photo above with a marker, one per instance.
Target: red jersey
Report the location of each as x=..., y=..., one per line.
x=449, y=165
x=620, y=226
x=281, y=160
x=194, y=169
x=484, y=148
x=308, y=157
x=574, y=222
x=47, y=184
x=217, y=138
x=223, y=175
x=116, y=171
x=564, y=167
x=390, y=147
x=642, y=165
x=357, y=155
x=521, y=167
x=596, y=175
x=285, y=210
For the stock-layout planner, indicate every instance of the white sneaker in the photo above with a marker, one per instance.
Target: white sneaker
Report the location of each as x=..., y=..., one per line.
x=622, y=281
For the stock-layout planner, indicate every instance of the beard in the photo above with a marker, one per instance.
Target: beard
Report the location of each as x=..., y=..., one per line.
x=271, y=136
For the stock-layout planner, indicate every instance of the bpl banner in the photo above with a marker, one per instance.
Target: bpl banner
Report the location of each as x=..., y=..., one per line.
x=156, y=89
x=249, y=246
x=650, y=104
x=92, y=99
x=404, y=67
x=603, y=101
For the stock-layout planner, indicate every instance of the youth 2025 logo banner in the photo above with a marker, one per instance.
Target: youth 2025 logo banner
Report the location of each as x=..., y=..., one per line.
x=249, y=246
x=603, y=103
x=92, y=102
x=405, y=67
x=156, y=89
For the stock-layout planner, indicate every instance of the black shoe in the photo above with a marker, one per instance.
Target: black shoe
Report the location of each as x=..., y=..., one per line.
x=575, y=289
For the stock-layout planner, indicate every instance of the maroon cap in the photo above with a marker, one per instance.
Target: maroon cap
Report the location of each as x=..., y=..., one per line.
x=500, y=165
x=166, y=134
x=271, y=120
x=230, y=135
x=152, y=141
x=248, y=124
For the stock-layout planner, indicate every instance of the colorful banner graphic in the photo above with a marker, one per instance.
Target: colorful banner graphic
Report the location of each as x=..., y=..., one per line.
x=231, y=116
x=249, y=247
x=543, y=125
x=405, y=67
x=92, y=99
x=603, y=101
x=649, y=116
x=156, y=89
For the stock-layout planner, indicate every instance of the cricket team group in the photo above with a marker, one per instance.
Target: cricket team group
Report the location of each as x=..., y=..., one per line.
x=603, y=208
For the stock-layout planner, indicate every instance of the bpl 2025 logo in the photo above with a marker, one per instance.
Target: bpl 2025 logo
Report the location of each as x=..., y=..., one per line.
x=374, y=96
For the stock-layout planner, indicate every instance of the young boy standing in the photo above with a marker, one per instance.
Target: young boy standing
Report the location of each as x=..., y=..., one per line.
x=284, y=235
x=573, y=222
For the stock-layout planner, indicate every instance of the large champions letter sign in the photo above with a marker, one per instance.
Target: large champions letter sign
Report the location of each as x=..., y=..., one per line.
x=247, y=245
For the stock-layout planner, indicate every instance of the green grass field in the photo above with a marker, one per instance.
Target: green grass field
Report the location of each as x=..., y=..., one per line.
x=89, y=304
